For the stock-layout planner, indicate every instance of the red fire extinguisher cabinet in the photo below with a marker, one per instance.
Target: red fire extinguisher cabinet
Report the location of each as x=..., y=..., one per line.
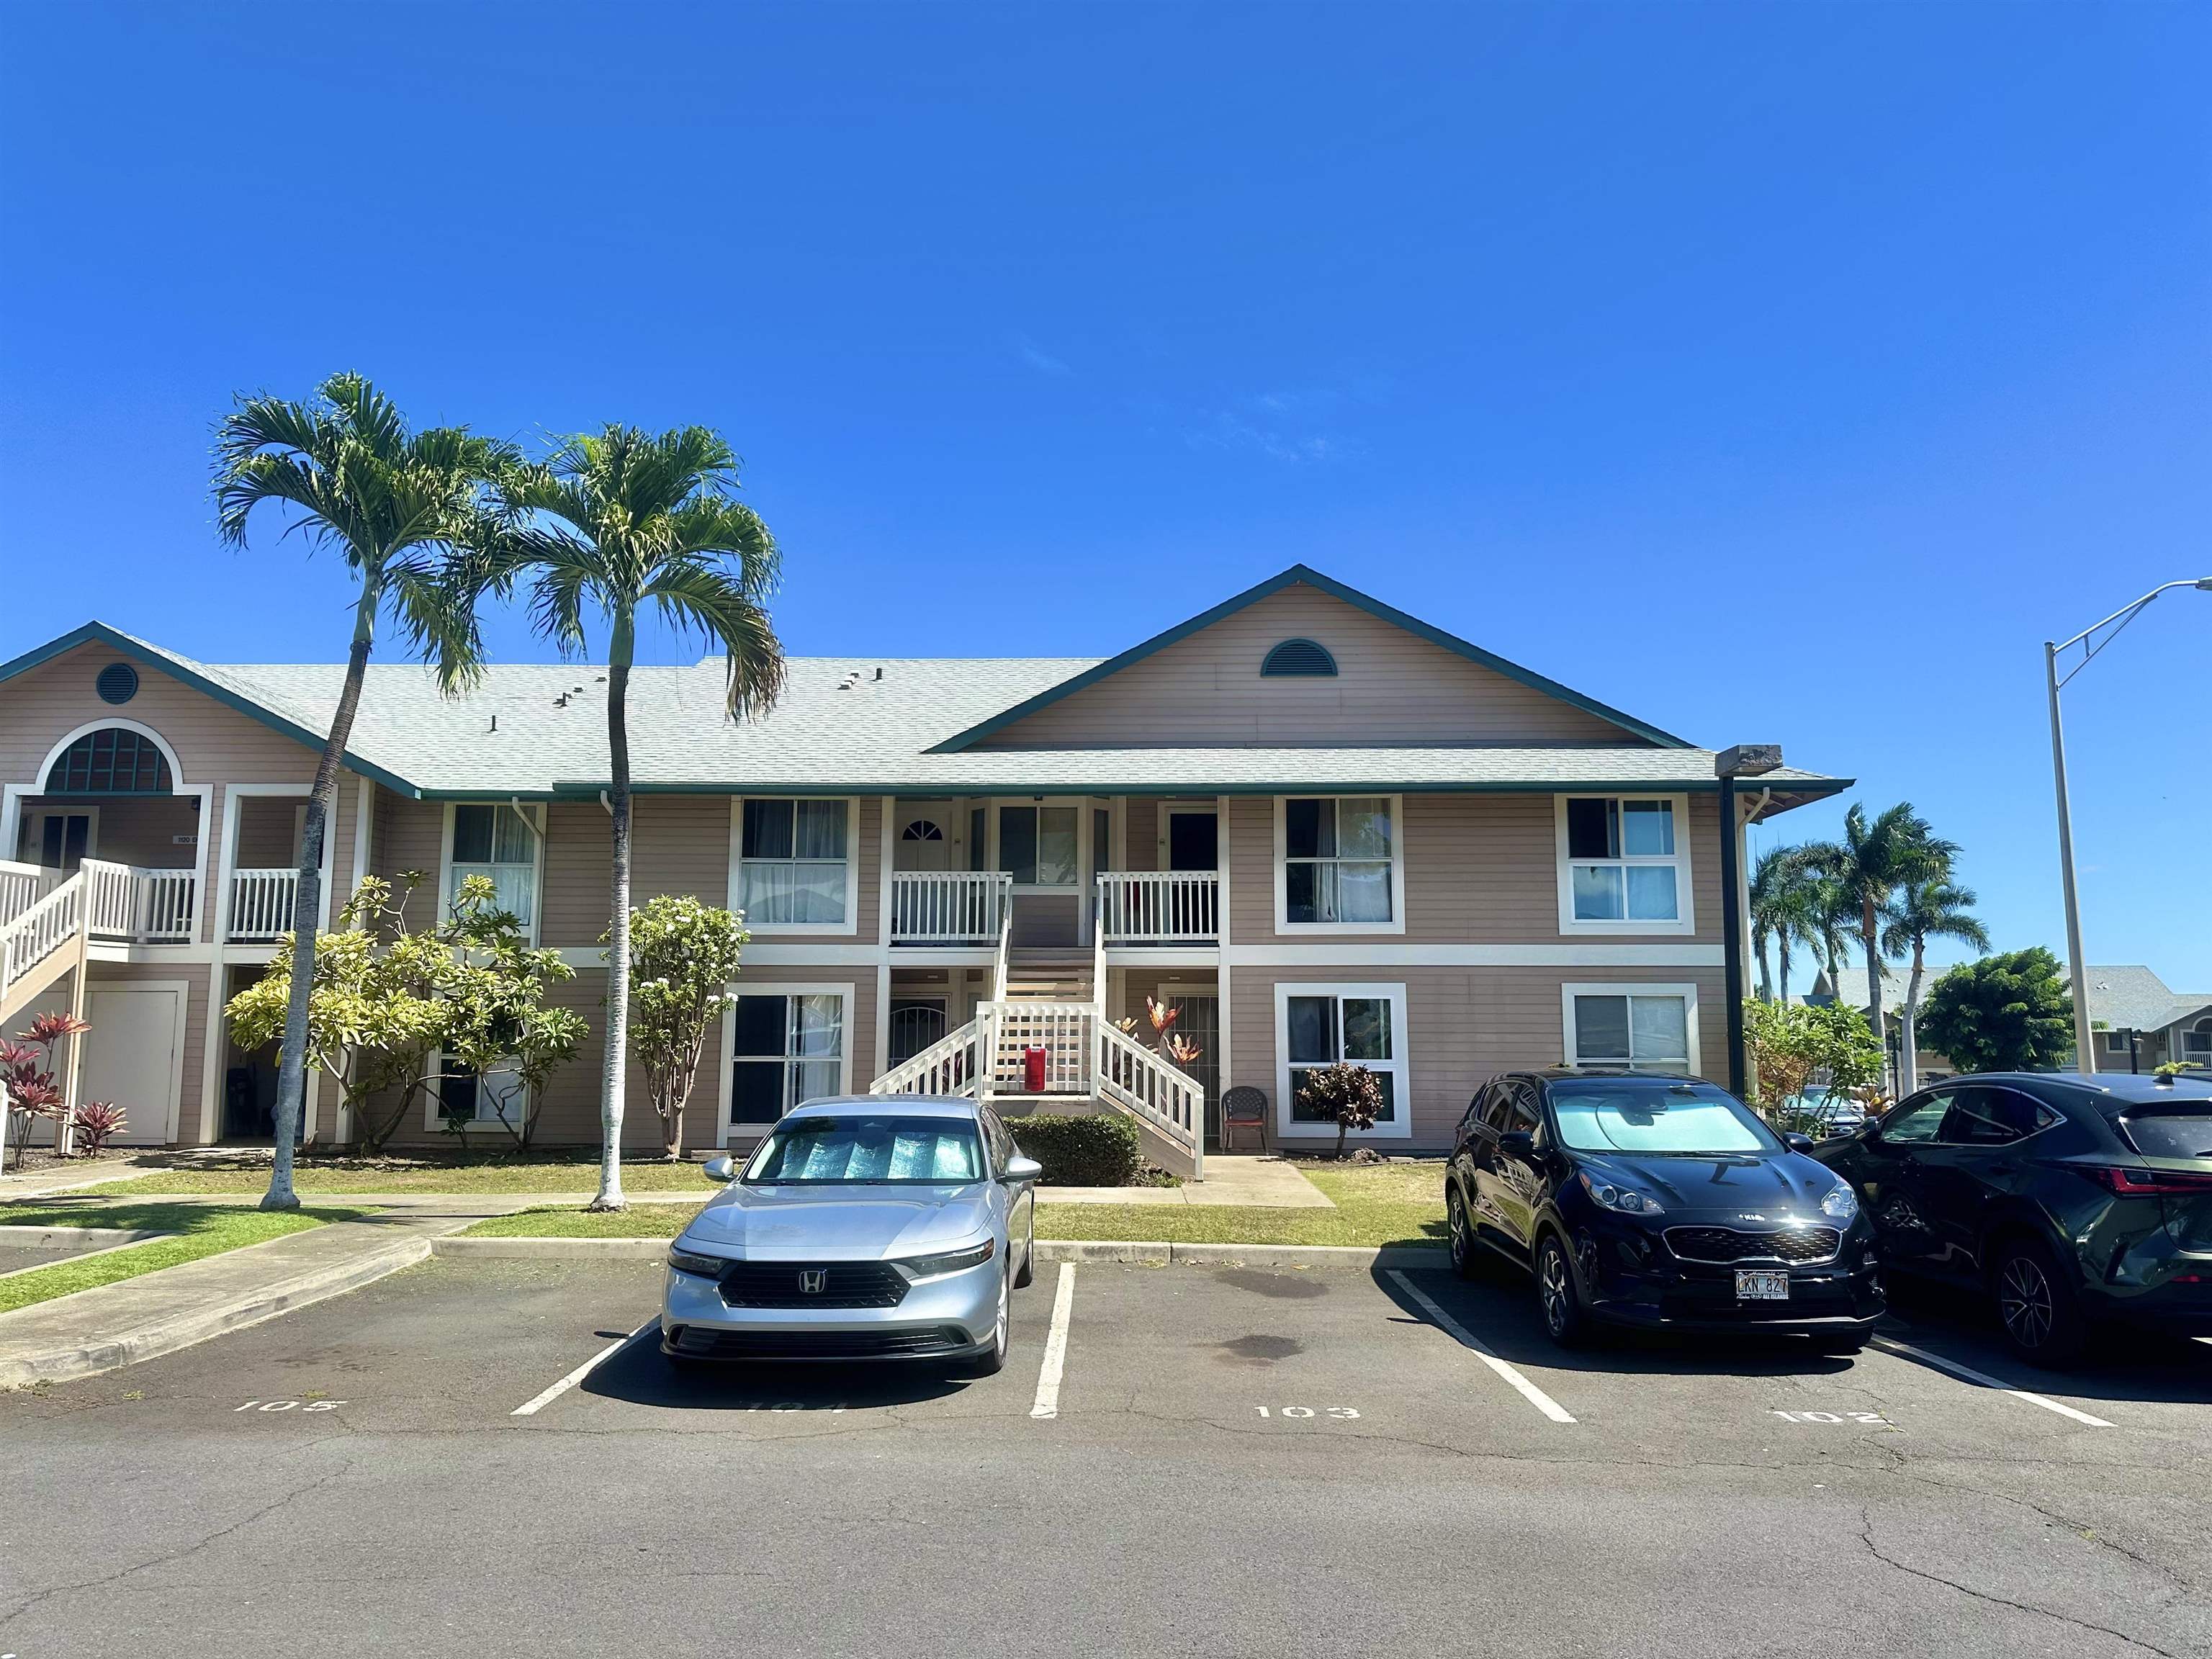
x=1033, y=1060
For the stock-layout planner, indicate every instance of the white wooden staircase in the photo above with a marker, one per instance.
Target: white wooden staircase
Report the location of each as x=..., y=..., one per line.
x=1088, y=1062
x=45, y=933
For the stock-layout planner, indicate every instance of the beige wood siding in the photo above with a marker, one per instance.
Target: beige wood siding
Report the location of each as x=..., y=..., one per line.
x=407, y=834
x=1391, y=686
x=1141, y=824
x=1480, y=869
x=265, y=840
x=1464, y=1025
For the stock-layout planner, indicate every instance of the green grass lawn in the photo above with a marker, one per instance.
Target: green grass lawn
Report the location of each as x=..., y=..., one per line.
x=1375, y=1203
x=202, y=1229
x=405, y=1174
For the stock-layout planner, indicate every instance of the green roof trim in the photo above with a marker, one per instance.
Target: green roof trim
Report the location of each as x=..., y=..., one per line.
x=1352, y=596
x=101, y=633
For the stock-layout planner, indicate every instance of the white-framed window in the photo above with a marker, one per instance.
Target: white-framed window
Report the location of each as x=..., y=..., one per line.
x=462, y=1095
x=1642, y=1027
x=788, y=1044
x=2196, y=1043
x=795, y=864
x=1318, y=1025
x=1625, y=863
x=1339, y=866
x=1040, y=846
x=2116, y=1042
x=493, y=839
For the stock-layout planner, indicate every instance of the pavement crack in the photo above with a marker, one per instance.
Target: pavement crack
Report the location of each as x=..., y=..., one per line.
x=1865, y=1537
x=181, y=1553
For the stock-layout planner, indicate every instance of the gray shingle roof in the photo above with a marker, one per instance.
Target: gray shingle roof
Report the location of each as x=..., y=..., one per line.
x=2131, y=998
x=872, y=735
x=865, y=725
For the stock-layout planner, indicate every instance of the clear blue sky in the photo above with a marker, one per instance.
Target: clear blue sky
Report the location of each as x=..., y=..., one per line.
x=1784, y=372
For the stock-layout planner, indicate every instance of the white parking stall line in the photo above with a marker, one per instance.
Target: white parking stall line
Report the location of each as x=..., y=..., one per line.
x=531, y=1407
x=1521, y=1385
x=1055, y=1345
x=1890, y=1345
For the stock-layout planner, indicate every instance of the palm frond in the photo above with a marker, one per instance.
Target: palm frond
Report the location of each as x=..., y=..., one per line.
x=699, y=595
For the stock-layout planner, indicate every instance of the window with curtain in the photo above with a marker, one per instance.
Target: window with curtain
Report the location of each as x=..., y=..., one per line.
x=792, y=868
x=1631, y=1029
x=1337, y=854
x=1037, y=845
x=495, y=841
x=789, y=1049
x=1624, y=859
x=1324, y=1030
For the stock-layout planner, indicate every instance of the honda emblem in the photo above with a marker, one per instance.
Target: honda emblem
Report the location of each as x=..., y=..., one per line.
x=811, y=1279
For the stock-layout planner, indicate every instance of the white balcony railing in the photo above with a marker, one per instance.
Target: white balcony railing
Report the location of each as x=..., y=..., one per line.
x=949, y=907
x=140, y=906
x=261, y=905
x=1163, y=907
x=22, y=885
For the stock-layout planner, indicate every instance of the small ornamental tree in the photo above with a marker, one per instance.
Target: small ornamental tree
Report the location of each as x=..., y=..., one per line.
x=386, y=998
x=2009, y=1012
x=26, y=1069
x=1792, y=1042
x=683, y=957
x=1350, y=1094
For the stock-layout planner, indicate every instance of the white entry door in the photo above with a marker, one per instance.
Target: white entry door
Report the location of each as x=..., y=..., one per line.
x=134, y=1056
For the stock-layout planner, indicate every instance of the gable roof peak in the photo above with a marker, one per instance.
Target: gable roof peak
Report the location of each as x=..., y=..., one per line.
x=1306, y=574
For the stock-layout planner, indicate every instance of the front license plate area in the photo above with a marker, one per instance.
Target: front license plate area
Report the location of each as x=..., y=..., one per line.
x=1761, y=1285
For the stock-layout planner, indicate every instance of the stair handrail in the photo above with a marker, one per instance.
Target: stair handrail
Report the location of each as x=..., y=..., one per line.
x=948, y=1066
x=1132, y=1077
x=29, y=938
x=1005, y=937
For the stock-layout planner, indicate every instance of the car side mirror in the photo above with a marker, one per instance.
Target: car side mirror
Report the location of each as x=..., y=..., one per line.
x=1020, y=1169
x=1516, y=1144
x=722, y=1168
x=1798, y=1143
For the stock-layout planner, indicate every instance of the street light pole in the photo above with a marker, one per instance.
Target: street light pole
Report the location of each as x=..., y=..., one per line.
x=2083, y=1060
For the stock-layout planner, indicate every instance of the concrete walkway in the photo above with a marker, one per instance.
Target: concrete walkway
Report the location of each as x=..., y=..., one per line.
x=1260, y=1182
x=157, y=1313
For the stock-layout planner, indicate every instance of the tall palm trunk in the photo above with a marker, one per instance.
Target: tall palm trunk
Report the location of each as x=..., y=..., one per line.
x=1870, y=938
x=610, y=1195
x=1765, y=978
x=308, y=902
x=1782, y=949
x=1909, y=1065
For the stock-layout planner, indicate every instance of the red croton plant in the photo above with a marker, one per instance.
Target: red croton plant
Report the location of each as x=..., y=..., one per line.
x=1166, y=1039
x=27, y=1072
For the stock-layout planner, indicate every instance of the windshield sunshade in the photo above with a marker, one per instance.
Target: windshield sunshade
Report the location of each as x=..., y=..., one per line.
x=1657, y=1120
x=869, y=1149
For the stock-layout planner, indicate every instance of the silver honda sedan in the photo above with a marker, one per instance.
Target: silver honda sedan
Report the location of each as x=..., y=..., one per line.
x=863, y=1227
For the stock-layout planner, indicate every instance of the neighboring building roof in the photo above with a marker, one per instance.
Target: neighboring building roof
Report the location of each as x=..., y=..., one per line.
x=2131, y=998
x=877, y=725
x=1850, y=987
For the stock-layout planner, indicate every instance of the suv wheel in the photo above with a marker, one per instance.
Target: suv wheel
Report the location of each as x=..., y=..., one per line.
x=1565, y=1321
x=1463, y=1246
x=2036, y=1304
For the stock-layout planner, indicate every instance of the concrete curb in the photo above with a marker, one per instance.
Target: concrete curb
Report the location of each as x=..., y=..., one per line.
x=60, y=1238
x=1154, y=1252
x=159, y=1336
x=559, y=1249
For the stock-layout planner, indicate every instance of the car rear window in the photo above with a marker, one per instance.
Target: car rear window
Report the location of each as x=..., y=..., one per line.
x=2170, y=1134
x=868, y=1149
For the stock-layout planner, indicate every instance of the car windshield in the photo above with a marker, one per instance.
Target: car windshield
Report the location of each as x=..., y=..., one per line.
x=1620, y=1116
x=871, y=1149
x=2184, y=1134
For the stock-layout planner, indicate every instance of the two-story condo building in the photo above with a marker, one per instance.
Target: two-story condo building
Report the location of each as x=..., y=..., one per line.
x=1318, y=827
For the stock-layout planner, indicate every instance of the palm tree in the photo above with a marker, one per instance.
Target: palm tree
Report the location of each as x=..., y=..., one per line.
x=397, y=506
x=1830, y=916
x=1875, y=859
x=616, y=522
x=1921, y=911
x=1782, y=896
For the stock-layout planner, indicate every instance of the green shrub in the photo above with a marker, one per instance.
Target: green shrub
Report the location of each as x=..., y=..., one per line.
x=1095, y=1149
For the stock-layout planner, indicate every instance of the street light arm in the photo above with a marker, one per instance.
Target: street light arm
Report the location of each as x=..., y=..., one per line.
x=2128, y=611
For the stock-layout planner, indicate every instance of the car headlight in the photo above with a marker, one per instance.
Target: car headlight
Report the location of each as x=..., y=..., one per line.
x=690, y=1261
x=953, y=1261
x=1841, y=1203
x=1626, y=1200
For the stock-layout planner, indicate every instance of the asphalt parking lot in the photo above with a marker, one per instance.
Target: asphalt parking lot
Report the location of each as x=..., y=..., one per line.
x=476, y=1457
